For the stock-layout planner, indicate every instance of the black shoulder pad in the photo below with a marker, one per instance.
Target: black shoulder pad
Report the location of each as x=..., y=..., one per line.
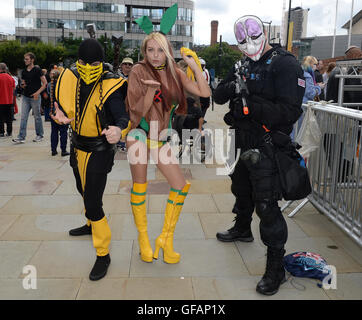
x=110, y=75
x=74, y=70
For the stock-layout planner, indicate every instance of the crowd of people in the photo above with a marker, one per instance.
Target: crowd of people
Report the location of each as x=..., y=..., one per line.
x=101, y=107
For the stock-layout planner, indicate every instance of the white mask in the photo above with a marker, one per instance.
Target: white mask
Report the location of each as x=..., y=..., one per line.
x=249, y=33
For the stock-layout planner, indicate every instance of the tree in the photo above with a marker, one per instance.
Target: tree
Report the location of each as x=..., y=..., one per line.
x=12, y=53
x=71, y=46
x=227, y=57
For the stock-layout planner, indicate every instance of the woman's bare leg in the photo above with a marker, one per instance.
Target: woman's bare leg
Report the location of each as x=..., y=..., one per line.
x=138, y=157
x=169, y=167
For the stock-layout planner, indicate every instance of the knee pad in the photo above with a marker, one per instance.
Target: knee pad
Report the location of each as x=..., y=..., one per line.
x=266, y=209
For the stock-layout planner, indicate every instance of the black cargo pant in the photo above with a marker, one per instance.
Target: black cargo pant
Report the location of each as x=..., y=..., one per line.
x=257, y=186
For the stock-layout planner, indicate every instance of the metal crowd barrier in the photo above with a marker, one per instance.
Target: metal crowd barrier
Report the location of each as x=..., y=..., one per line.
x=335, y=168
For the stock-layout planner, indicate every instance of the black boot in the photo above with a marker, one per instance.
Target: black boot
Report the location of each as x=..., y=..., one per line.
x=81, y=231
x=241, y=231
x=100, y=268
x=274, y=274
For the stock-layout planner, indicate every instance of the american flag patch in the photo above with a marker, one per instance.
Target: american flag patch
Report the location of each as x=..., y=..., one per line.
x=301, y=82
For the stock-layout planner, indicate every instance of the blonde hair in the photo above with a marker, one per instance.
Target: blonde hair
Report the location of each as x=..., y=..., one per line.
x=165, y=44
x=309, y=61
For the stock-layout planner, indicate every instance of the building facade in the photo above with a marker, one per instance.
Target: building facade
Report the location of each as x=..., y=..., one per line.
x=321, y=47
x=356, y=24
x=299, y=17
x=48, y=20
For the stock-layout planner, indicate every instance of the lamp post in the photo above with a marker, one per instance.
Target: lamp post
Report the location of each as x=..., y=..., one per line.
x=105, y=46
x=219, y=56
x=290, y=4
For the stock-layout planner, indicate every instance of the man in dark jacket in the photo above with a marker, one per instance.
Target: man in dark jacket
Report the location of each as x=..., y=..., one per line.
x=351, y=53
x=271, y=104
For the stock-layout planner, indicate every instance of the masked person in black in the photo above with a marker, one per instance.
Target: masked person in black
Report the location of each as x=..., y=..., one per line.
x=270, y=102
x=92, y=101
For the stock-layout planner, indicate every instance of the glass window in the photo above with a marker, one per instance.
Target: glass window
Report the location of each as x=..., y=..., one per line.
x=79, y=6
x=140, y=12
x=80, y=25
x=156, y=13
x=51, y=24
x=86, y=6
x=127, y=43
x=100, y=25
x=66, y=6
x=107, y=25
x=51, y=5
x=36, y=4
x=38, y=23
x=58, y=5
x=100, y=7
x=116, y=26
x=72, y=24
x=43, y=5
x=72, y=6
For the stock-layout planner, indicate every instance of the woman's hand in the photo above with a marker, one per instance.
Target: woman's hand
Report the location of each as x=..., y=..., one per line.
x=113, y=134
x=59, y=116
x=153, y=84
x=190, y=62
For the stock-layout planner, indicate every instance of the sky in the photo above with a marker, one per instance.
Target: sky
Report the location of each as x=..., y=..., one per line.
x=321, y=16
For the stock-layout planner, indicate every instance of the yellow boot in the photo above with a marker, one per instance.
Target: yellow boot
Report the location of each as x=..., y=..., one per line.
x=101, y=234
x=165, y=239
x=138, y=204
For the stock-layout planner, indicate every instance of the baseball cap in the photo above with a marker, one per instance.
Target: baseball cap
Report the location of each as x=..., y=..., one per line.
x=127, y=60
x=349, y=48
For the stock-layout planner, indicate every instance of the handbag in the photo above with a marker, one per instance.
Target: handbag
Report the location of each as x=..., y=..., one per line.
x=293, y=174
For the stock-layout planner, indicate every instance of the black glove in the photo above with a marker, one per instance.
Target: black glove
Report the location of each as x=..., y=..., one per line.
x=255, y=103
x=240, y=111
x=229, y=89
x=229, y=118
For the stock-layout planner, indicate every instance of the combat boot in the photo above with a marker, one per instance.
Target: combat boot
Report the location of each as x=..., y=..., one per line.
x=274, y=274
x=241, y=231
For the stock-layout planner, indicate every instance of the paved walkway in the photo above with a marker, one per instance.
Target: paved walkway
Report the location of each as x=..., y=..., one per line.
x=39, y=204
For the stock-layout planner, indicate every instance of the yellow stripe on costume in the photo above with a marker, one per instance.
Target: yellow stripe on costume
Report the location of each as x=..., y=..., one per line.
x=82, y=159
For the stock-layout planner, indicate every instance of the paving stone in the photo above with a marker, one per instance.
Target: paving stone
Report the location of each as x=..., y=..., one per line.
x=43, y=204
x=198, y=258
x=15, y=255
x=75, y=259
x=137, y=289
x=46, y=289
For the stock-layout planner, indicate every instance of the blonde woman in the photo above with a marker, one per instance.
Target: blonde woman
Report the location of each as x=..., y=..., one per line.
x=312, y=89
x=155, y=87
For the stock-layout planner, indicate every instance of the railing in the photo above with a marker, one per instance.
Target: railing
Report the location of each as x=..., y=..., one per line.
x=335, y=168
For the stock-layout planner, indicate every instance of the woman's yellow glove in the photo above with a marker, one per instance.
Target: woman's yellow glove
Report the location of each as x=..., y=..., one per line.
x=189, y=52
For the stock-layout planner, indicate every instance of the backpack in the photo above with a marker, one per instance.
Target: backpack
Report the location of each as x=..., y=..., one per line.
x=306, y=265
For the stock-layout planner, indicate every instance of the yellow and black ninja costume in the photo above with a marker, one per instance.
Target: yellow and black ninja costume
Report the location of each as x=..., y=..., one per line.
x=95, y=99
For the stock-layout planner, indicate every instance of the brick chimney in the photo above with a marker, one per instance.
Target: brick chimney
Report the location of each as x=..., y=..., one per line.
x=214, y=27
